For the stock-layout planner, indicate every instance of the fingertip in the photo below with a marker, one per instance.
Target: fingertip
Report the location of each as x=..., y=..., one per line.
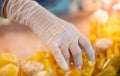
x=91, y=63
x=65, y=52
x=77, y=55
x=79, y=68
x=68, y=62
x=91, y=54
x=56, y=51
x=66, y=68
x=78, y=63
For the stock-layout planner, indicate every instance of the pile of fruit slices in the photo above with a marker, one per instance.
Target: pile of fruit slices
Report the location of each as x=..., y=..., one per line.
x=105, y=38
x=41, y=64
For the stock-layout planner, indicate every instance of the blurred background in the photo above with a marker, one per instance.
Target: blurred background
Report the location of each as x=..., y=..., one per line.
x=79, y=12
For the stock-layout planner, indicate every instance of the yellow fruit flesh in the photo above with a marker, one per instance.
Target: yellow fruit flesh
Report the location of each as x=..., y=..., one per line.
x=9, y=70
x=7, y=58
x=53, y=69
x=8, y=65
x=111, y=30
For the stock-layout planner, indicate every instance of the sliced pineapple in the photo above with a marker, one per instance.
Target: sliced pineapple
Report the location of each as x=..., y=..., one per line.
x=42, y=73
x=38, y=56
x=9, y=70
x=7, y=59
x=8, y=65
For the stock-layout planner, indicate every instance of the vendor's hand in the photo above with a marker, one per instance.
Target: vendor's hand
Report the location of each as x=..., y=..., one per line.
x=65, y=38
x=60, y=36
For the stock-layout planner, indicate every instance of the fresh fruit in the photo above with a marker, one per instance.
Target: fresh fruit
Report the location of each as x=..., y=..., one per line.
x=8, y=65
x=9, y=70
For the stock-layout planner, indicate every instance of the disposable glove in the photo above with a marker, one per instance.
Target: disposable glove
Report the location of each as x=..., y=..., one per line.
x=60, y=36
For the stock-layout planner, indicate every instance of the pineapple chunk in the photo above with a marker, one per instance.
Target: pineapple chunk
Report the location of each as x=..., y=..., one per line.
x=38, y=56
x=75, y=72
x=42, y=73
x=6, y=59
x=49, y=66
x=8, y=65
x=9, y=70
x=53, y=69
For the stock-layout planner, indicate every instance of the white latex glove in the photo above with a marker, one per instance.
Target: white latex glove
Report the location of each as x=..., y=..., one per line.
x=60, y=36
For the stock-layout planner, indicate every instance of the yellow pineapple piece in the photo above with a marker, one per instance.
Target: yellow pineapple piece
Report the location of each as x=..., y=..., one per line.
x=42, y=73
x=109, y=53
x=6, y=59
x=116, y=50
x=75, y=72
x=92, y=38
x=46, y=60
x=9, y=70
x=8, y=65
x=38, y=56
x=59, y=71
x=49, y=66
x=109, y=71
x=101, y=60
x=111, y=67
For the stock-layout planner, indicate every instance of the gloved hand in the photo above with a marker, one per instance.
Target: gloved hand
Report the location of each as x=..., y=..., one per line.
x=60, y=36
